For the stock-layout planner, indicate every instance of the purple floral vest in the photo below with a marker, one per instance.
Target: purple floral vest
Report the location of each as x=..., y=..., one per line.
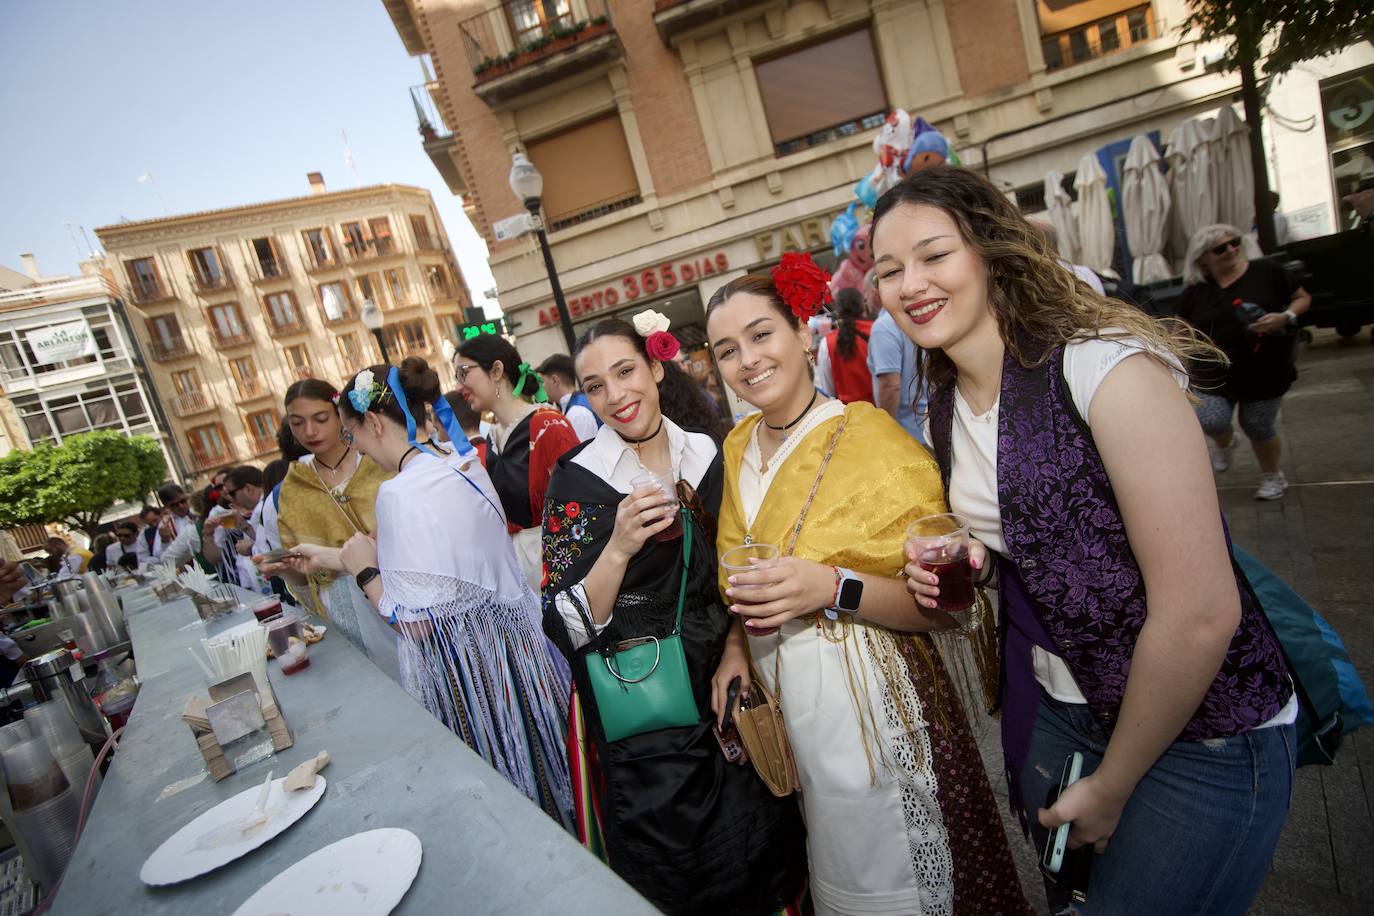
x=1066, y=544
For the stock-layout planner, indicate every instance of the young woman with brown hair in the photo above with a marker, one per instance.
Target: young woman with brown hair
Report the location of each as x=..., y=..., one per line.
x=1065, y=437
x=899, y=813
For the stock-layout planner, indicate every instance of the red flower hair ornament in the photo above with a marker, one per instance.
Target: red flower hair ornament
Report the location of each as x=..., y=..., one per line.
x=802, y=283
x=658, y=343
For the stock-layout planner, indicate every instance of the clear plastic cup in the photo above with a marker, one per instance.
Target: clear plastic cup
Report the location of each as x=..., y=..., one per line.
x=12, y=734
x=940, y=545
x=32, y=774
x=52, y=721
x=279, y=630
x=741, y=559
x=668, y=488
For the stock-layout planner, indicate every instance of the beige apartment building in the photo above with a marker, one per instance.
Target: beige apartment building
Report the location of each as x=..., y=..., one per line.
x=231, y=306
x=683, y=142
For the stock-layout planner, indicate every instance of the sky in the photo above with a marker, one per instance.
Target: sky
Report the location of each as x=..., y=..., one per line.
x=223, y=104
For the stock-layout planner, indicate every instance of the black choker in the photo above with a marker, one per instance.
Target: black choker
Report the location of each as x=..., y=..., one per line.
x=646, y=438
x=334, y=467
x=809, y=404
x=406, y=454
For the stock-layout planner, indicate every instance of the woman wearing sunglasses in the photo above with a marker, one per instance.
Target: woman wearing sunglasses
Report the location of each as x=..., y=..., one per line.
x=1250, y=310
x=529, y=437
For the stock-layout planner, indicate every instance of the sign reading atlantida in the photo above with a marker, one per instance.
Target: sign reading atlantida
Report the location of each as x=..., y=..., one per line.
x=61, y=342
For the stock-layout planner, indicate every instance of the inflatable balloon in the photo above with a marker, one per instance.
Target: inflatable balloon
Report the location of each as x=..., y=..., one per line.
x=853, y=271
x=891, y=146
x=842, y=231
x=929, y=147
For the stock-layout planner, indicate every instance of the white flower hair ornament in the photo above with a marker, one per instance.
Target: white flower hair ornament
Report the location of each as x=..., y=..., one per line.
x=649, y=321
x=366, y=391
x=658, y=343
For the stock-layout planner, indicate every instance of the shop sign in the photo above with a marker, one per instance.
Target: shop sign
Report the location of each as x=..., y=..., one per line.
x=806, y=235
x=647, y=282
x=61, y=342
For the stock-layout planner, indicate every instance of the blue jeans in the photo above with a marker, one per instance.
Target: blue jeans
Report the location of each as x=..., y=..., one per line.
x=1197, y=834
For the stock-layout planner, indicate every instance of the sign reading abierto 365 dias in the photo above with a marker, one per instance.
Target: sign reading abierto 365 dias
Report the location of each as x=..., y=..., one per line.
x=60, y=342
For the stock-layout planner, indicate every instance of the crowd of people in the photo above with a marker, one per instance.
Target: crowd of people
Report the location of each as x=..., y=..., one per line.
x=503, y=550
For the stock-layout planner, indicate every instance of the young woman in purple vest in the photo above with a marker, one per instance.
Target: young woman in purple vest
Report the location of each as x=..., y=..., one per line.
x=1064, y=435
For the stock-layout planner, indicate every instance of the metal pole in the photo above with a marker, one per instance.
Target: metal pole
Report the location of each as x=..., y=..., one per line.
x=564, y=316
x=381, y=345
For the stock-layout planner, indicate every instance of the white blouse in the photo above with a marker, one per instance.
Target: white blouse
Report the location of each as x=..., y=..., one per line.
x=615, y=461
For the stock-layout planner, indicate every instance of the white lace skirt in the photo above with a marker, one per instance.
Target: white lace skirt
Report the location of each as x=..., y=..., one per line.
x=875, y=836
x=356, y=619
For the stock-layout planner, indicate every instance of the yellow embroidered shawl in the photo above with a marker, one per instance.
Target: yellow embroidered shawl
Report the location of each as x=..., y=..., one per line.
x=878, y=482
x=310, y=514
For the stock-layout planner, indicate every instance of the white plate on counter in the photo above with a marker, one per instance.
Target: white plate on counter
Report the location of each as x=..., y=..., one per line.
x=366, y=874
x=227, y=831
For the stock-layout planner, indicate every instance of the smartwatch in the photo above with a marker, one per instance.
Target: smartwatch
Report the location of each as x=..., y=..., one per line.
x=849, y=591
x=366, y=575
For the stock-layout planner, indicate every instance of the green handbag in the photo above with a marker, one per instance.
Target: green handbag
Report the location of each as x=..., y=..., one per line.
x=641, y=685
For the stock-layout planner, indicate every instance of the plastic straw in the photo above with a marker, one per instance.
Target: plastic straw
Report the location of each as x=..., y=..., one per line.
x=209, y=675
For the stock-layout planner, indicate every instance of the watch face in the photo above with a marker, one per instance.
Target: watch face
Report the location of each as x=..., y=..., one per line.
x=850, y=593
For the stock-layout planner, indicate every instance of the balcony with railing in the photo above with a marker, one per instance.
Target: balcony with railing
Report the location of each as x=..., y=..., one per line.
x=240, y=337
x=348, y=312
x=440, y=143
x=251, y=388
x=673, y=17
x=265, y=270
x=1097, y=39
x=150, y=291
x=285, y=328
x=261, y=445
x=207, y=459
x=522, y=45
x=370, y=249
x=191, y=403
x=206, y=282
x=321, y=259
x=163, y=349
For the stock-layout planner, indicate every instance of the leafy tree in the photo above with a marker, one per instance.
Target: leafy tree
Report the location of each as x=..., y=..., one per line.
x=1304, y=29
x=78, y=481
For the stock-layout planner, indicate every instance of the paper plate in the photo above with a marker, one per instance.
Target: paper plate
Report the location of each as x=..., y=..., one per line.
x=366, y=874
x=227, y=831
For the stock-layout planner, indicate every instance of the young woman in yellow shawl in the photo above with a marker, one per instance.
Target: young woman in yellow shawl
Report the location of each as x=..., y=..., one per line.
x=329, y=495
x=900, y=817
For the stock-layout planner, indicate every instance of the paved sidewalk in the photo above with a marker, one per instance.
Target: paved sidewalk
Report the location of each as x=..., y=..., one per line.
x=1319, y=539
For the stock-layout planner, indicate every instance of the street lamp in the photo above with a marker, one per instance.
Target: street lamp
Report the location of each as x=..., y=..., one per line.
x=528, y=185
x=372, y=319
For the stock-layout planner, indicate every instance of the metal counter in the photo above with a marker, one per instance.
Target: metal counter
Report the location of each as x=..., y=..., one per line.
x=487, y=848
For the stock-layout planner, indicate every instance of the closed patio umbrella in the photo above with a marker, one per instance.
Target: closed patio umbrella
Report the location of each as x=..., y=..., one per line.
x=1237, y=190
x=1192, y=181
x=1145, y=202
x=1059, y=205
x=1096, y=232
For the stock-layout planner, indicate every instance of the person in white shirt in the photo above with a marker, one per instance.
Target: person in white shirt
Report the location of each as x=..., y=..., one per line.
x=560, y=384
x=178, y=516
x=130, y=549
x=150, y=518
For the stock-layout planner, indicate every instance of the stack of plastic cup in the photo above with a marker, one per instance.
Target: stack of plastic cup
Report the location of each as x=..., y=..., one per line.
x=10, y=735
x=52, y=722
x=45, y=809
x=89, y=636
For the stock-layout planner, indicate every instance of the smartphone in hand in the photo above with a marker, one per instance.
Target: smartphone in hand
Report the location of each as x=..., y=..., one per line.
x=727, y=735
x=1069, y=869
